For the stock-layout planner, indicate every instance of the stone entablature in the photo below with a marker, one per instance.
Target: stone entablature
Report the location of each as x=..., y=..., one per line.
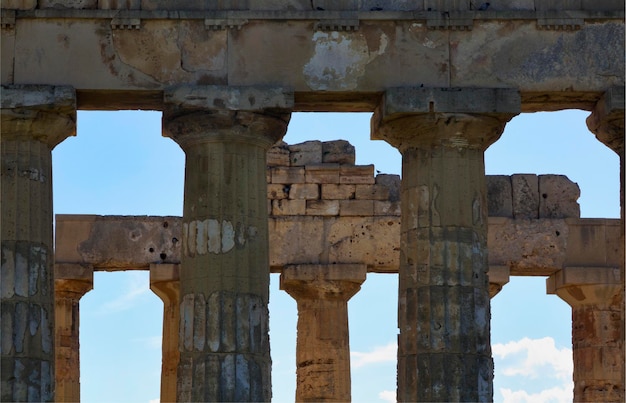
x=343, y=55
x=323, y=209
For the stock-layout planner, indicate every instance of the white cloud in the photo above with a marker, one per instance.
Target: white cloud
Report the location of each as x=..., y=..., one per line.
x=388, y=396
x=539, y=360
x=154, y=401
x=136, y=287
x=532, y=357
x=553, y=395
x=379, y=354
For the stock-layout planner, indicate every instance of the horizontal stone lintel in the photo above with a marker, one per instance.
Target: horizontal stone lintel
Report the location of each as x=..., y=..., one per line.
x=527, y=247
x=408, y=100
x=281, y=15
x=217, y=97
x=46, y=97
x=326, y=272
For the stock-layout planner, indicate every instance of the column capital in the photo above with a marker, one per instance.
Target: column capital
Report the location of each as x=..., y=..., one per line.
x=607, y=119
x=203, y=114
x=499, y=276
x=585, y=285
x=337, y=281
x=449, y=117
x=38, y=112
x=165, y=280
x=73, y=278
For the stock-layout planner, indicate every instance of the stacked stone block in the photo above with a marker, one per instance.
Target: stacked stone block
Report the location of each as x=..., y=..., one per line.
x=320, y=179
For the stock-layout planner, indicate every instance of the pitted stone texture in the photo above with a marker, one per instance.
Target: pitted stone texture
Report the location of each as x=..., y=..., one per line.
x=499, y=196
x=525, y=189
x=558, y=197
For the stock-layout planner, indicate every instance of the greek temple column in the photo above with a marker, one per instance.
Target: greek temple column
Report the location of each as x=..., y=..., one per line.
x=323, y=346
x=71, y=282
x=164, y=282
x=607, y=123
x=444, y=351
x=597, y=331
x=35, y=118
x=224, y=277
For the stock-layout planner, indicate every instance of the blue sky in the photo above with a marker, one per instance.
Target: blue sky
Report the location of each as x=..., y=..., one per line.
x=119, y=164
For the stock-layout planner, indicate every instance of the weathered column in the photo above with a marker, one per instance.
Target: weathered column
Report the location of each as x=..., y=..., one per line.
x=164, y=282
x=444, y=351
x=597, y=330
x=607, y=123
x=323, y=346
x=34, y=120
x=224, y=279
x=71, y=282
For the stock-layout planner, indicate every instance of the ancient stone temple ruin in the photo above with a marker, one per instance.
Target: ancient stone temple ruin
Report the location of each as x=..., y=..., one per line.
x=442, y=79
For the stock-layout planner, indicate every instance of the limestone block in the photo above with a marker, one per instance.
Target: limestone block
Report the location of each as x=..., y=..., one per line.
x=525, y=190
x=84, y=4
x=306, y=191
x=307, y=153
x=558, y=197
x=391, y=182
x=335, y=5
x=550, y=5
x=307, y=240
x=528, y=247
x=119, y=4
x=541, y=59
x=589, y=245
x=280, y=5
x=363, y=208
x=7, y=49
x=118, y=241
x=388, y=5
x=278, y=155
x=499, y=196
x=331, y=191
x=387, y=208
x=248, y=98
x=288, y=207
x=327, y=173
x=18, y=4
x=510, y=5
x=174, y=5
x=602, y=5
x=322, y=207
x=360, y=174
x=446, y=5
x=339, y=151
x=372, y=192
x=375, y=241
x=277, y=191
x=287, y=175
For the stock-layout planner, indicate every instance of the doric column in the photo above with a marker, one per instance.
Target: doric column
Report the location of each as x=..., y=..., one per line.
x=71, y=282
x=444, y=351
x=164, y=282
x=597, y=330
x=224, y=278
x=34, y=120
x=607, y=123
x=323, y=347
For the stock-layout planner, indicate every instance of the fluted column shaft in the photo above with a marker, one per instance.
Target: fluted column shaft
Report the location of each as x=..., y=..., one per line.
x=444, y=351
x=34, y=120
x=164, y=282
x=70, y=284
x=323, y=345
x=607, y=123
x=224, y=278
